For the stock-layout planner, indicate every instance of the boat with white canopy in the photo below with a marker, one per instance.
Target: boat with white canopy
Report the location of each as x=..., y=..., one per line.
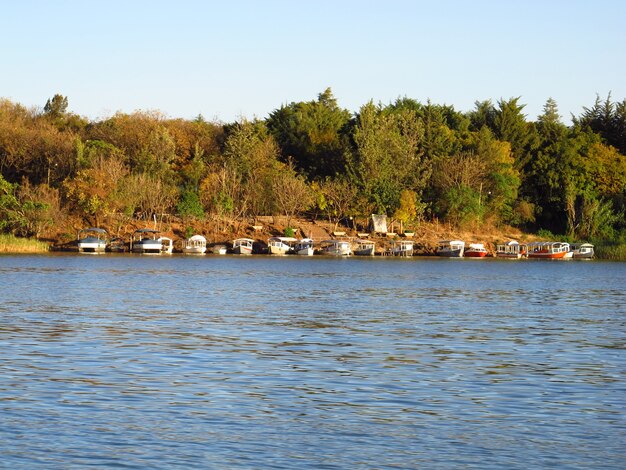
x=194, y=245
x=92, y=240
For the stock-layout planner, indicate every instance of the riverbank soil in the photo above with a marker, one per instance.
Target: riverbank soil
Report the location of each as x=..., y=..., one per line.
x=425, y=235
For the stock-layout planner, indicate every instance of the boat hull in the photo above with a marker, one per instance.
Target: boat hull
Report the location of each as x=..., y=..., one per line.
x=509, y=255
x=91, y=247
x=543, y=255
x=149, y=247
x=195, y=250
x=450, y=253
x=337, y=251
x=219, y=250
x=279, y=250
x=242, y=250
x=475, y=254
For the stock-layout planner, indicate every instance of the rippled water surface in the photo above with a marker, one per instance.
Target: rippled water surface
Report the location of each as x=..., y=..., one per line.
x=261, y=362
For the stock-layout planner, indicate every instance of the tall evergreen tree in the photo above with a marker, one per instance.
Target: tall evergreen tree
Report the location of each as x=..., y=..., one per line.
x=310, y=135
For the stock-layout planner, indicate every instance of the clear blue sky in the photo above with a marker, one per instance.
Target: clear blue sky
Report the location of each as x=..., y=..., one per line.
x=234, y=59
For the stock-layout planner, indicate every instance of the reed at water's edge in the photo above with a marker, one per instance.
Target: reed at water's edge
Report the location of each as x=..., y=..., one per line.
x=13, y=244
x=611, y=251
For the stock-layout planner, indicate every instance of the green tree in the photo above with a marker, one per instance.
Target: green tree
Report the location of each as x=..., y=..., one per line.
x=608, y=119
x=11, y=215
x=387, y=157
x=56, y=106
x=311, y=135
x=510, y=125
x=189, y=204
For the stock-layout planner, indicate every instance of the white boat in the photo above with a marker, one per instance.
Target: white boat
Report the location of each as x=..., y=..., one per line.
x=364, y=248
x=243, y=246
x=304, y=247
x=475, y=250
x=280, y=245
x=194, y=245
x=511, y=249
x=451, y=248
x=167, y=245
x=336, y=247
x=549, y=250
x=219, y=249
x=92, y=240
x=582, y=251
x=401, y=248
x=146, y=241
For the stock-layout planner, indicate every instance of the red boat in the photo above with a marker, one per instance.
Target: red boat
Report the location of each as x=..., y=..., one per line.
x=475, y=250
x=549, y=250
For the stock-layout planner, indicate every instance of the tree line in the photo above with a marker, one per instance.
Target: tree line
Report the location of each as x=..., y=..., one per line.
x=413, y=161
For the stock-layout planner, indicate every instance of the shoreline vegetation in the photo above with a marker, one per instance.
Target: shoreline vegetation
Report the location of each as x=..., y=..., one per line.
x=14, y=245
x=425, y=237
x=486, y=175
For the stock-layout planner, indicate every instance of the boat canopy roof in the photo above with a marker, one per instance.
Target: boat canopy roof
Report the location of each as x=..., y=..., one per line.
x=451, y=242
x=198, y=238
x=244, y=240
x=93, y=229
x=477, y=246
x=283, y=239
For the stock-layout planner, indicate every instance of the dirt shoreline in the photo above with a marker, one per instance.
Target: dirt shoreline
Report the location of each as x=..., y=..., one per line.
x=425, y=235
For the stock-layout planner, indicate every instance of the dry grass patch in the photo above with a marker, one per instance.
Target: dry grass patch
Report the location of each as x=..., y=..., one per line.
x=12, y=244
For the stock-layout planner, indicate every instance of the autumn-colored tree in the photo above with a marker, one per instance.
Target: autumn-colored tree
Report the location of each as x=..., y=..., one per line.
x=339, y=198
x=94, y=191
x=291, y=192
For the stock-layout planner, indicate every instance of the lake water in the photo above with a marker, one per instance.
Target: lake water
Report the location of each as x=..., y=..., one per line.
x=259, y=362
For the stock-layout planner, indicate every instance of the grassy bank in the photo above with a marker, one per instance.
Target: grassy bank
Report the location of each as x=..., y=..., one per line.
x=12, y=244
x=611, y=251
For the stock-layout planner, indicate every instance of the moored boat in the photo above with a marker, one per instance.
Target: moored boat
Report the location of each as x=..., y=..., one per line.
x=304, y=247
x=280, y=245
x=364, y=248
x=549, y=250
x=582, y=251
x=194, y=245
x=167, y=245
x=336, y=247
x=146, y=241
x=511, y=249
x=475, y=250
x=401, y=248
x=243, y=246
x=92, y=240
x=219, y=249
x=117, y=245
x=451, y=248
